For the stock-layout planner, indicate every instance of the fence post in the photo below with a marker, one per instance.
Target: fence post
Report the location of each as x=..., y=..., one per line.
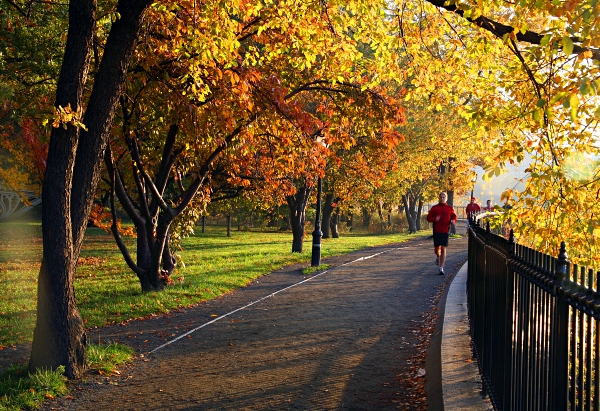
x=508, y=323
x=561, y=333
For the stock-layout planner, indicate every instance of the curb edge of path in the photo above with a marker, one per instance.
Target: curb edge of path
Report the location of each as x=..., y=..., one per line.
x=461, y=382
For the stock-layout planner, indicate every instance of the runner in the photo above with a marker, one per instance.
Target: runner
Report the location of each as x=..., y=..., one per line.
x=442, y=216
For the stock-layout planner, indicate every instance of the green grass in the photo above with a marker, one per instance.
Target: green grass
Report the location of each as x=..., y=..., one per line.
x=106, y=358
x=107, y=291
x=310, y=270
x=21, y=390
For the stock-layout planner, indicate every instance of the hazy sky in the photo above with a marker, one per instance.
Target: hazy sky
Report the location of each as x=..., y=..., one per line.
x=492, y=189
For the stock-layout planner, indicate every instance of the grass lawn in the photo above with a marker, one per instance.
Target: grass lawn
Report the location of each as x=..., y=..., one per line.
x=107, y=291
x=20, y=390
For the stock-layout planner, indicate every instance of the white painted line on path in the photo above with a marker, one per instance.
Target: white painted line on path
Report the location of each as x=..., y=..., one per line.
x=264, y=298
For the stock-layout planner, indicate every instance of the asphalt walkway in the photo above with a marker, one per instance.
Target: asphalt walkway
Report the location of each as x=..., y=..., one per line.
x=344, y=339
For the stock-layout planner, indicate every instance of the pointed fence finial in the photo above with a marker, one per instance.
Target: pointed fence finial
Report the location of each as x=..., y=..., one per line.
x=562, y=264
x=510, y=247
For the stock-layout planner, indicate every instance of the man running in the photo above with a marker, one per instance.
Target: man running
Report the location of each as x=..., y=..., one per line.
x=441, y=215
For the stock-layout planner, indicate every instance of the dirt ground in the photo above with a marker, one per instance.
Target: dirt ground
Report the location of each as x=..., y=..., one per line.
x=344, y=339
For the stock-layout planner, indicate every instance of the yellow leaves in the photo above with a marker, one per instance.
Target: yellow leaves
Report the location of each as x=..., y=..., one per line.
x=64, y=117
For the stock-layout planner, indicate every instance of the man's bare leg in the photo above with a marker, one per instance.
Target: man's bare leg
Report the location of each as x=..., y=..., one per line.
x=442, y=254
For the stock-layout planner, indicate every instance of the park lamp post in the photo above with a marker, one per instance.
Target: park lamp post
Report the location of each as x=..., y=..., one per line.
x=474, y=181
x=318, y=234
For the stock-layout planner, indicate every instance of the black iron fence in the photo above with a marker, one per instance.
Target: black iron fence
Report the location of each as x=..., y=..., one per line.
x=535, y=325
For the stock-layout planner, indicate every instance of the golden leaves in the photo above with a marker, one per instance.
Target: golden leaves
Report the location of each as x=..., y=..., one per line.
x=64, y=116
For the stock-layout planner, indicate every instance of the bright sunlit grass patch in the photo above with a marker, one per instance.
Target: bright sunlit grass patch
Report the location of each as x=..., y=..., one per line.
x=107, y=291
x=20, y=390
x=107, y=358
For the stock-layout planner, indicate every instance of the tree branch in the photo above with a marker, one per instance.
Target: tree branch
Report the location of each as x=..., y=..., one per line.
x=500, y=30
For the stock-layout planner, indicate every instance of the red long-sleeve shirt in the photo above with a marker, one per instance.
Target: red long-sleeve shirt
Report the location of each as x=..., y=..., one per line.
x=473, y=208
x=446, y=214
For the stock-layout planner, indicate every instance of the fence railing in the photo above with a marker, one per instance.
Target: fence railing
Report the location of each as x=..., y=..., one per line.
x=535, y=325
x=14, y=204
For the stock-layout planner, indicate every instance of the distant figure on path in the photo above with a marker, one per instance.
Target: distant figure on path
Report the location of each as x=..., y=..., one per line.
x=441, y=215
x=488, y=206
x=472, y=207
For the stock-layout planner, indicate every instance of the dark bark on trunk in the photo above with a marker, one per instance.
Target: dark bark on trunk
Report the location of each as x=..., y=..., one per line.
x=143, y=258
x=419, y=214
x=327, y=210
x=228, y=225
x=411, y=212
x=366, y=217
x=157, y=277
x=59, y=336
x=335, y=220
x=169, y=261
x=297, y=204
x=108, y=84
x=72, y=174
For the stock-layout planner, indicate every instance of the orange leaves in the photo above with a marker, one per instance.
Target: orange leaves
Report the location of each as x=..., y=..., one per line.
x=102, y=218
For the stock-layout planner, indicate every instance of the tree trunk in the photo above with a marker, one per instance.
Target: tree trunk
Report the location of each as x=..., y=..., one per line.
x=366, y=217
x=228, y=225
x=410, y=216
x=335, y=220
x=297, y=233
x=419, y=213
x=380, y=212
x=297, y=204
x=169, y=261
x=59, y=336
x=327, y=210
x=143, y=255
x=72, y=174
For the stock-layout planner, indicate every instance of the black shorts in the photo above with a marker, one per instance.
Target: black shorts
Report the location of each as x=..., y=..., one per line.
x=440, y=239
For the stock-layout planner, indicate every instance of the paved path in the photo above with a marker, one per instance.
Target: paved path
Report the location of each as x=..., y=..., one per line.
x=339, y=340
